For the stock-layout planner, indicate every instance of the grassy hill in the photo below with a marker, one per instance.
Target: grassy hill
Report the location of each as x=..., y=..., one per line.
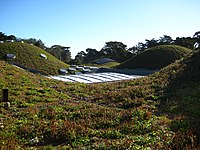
x=156, y=112
x=106, y=65
x=29, y=56
x=156, y=57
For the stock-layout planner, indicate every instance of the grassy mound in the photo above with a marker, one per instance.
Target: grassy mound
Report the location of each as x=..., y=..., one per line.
x=156, y=57
x=29, y=56
x=106, y=65
x=156, y=112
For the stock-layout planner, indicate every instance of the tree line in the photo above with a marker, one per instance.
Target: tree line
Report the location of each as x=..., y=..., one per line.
x=119, y=51
x=112, y=49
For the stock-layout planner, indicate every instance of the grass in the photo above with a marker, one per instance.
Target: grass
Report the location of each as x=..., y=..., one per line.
x=156, y=112
x=156, y=57
x=106, y=65
x=29, y=56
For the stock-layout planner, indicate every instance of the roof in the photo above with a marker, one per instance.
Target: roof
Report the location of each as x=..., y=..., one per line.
x=95, y=77
x=104, y=60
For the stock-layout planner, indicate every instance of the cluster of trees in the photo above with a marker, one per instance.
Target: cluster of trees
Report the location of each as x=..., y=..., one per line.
x=61, y=52
x=4, y=37
x=33, y=41
x=119, y=52
x=113, y=49
x=189, y=42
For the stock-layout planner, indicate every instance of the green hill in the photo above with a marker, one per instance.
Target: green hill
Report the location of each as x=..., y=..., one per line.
x=156, y=57
x=160, y=111
x=29, y=56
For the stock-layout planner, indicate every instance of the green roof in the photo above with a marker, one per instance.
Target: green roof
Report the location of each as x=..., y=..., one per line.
x=156, y=57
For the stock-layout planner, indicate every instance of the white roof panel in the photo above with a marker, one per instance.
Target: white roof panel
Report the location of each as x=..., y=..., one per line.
x=95, y=77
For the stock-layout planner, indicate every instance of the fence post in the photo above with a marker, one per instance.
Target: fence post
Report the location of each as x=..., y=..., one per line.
x=5, y=95
x=5, y=99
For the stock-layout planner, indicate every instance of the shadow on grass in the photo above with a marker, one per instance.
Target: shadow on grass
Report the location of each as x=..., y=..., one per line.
x=181, y=102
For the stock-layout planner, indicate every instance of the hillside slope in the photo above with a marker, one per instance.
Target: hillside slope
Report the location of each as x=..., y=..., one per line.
x=29, y=56
x=156, y=57
x=156, y=112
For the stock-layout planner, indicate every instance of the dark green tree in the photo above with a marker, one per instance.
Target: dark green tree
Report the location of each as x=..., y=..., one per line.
x=90, y=55
x=35, y=42
x=115, y=50
x=79, y=58
x=165, y=40
x=39, y=44
x=140, y=47
x=196, y=37
x=66, y=55
x=185, y=42
x=3, y=37
x=61, y=52
x=151, y=43
x=11, y=37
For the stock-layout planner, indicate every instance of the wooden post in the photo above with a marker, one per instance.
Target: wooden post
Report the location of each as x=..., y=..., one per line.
x=5, y=99
x=5, y=95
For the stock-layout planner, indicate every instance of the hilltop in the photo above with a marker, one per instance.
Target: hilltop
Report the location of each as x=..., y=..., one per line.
x=29, y=56
x=156, y=57
x=160, y=111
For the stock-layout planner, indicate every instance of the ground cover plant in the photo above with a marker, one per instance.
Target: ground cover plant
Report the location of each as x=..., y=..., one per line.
x=28, y=56
x=156, y=112
x=106, y=65
x=156, y=57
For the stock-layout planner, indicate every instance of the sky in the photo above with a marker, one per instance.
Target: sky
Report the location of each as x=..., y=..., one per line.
x=82, y=24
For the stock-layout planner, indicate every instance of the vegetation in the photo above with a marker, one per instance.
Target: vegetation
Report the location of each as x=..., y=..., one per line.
x=160, y=111
x=156, y=112
x=112, y=49
x=61, y=52
x=156, y=57
x=106, y=65
x=28, y=56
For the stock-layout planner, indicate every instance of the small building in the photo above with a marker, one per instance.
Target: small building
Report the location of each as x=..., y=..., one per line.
x=104, y=60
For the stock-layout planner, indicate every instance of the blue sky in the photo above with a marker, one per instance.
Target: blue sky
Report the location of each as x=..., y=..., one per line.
x=83, y=24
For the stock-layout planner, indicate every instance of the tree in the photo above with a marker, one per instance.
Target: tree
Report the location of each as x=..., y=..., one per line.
x=35, y=42
x=79, y=58
x=66, y=55
x=165, y=40
x=197, y=35
x=3, y=37
x=140, y=47
x=39, y=44
x=90, y=55
x=185, y=42
x=133, y=50
x=197, y=39
x=11, y=37
x=61, y=52
x=115, y=50
x=151, y=43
